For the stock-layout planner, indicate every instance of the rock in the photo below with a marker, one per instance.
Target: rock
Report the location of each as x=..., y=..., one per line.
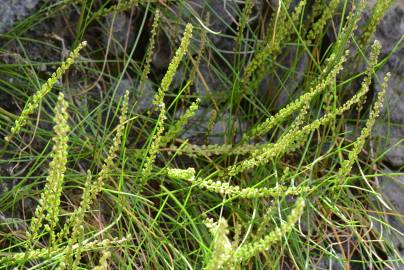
x=197, y=130
x=180, y=78
x=10, y=224
x=218, y=134
x=225, y=49
x=279, y=86
x=47, y=41
x=396, y=261
x=120, y=30
x=124, y=84
x=222, y=16
x=330, y=263
x=162, y=52
x=143, y=95
x=388, y=32
x=394, y=101
x=7, y=184
x=388, y=132
x=209, y=85
x=391, y=189
x=23, y=207
x=391, y=125
x=12, y=11
x=391, y=28
x=388, y=141
x=6, y=102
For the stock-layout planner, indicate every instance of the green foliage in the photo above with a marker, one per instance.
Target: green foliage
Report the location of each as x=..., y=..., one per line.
x=48, y=208
x=173, y=66
x=250, y=193
x=31, y=106
x=157, y=140
x=103, y=261
x=49, y=203
x=222, y=249
x=121, y=6
x=291, y=140
x=154, y=146
x=225, y=256
x=283, y=193
x=279, y=32
x=244, y=17
x=251, y=249
x=346, y=165
x=178, y=127
x=329, y=75
x=150, y=47
x=91, y=190
x=378, y=11
x=236, y=191
x=318, y=26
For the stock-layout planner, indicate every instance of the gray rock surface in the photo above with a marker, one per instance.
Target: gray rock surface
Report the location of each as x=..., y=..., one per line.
x=330, y=263
x=281, y=84
x=197, y=130
x=12, y=11
x=143, y=95
x=391, y=190
x=209, y=84
x=389, y=32
x=222, y=16
x=6, y=184
x=162, y=52
x=391, y=28
x=119, y=33
x=388, y=134
x=388, y=140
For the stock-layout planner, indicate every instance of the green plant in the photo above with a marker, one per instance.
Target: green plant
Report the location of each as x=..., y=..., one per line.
x=48, y=208
x=158, y=101
x=47, y=212
x=45, y=88
x=226, y=256
x=259, y=188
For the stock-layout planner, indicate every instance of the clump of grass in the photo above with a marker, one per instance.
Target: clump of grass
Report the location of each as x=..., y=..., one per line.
x=329, y=74
x=251, y=249
x=178, y=127
x=285, y=195
x=278, y=34
x=48, y=210
x=225, y=256
x=91, y=190
x=347, y=165
x=41, y=93
x=157, y=139
x=173, y=67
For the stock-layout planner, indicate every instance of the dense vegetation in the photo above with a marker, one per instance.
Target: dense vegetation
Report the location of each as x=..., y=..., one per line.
x=107, y=176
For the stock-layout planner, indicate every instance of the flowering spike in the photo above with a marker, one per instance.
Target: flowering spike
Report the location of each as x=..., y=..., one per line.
x=45, y=88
